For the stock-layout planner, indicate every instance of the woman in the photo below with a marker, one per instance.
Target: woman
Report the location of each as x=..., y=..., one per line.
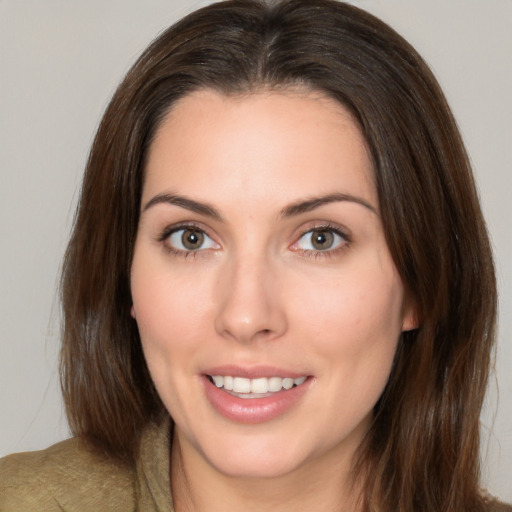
x=279, y=246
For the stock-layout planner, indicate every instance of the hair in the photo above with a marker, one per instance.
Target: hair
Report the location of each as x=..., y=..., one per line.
x=421, y=451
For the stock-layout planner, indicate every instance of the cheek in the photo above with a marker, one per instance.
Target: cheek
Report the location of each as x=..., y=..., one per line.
x=353, y=308
x=169, y=305
x=171, y=310
x=355, y=322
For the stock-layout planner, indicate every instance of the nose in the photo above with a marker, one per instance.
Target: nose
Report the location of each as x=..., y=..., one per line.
x=249, y=303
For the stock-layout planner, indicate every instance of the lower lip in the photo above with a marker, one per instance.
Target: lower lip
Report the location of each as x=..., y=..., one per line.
x=253, y=410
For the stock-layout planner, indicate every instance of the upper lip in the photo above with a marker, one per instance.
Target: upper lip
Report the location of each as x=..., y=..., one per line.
x=253, y=372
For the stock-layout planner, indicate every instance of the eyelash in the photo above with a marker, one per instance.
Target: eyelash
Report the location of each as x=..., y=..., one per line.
x=309, y=253
x=170, y=230
x=329, y=253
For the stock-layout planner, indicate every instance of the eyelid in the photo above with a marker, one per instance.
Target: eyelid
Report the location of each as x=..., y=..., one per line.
x=338, y=230
x=168, y=231
x=311, y=227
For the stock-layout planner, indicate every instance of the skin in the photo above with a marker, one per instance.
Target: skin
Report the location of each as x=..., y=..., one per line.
x=258, y=293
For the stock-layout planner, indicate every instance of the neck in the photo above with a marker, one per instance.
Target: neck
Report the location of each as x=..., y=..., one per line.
x=321, y=485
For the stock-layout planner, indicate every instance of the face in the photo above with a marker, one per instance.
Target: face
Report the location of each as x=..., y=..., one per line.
x=267, y=302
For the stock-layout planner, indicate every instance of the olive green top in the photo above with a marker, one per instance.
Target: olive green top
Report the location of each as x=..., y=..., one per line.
x=69, y=477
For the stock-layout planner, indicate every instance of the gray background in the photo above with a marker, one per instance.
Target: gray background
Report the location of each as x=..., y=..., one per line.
x=60, y=62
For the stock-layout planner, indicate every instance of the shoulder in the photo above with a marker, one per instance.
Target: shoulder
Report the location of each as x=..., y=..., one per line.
x=493, y=505
x=67, y=476
x=498, y=506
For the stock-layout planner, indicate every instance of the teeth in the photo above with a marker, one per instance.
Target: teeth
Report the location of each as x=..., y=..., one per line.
x=275, y=384
x=287, y=383
x=241, y=385
x=228, y=383
x=219, y=381
x=260, y=385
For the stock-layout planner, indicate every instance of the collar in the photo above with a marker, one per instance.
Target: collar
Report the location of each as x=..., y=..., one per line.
x=152, y=469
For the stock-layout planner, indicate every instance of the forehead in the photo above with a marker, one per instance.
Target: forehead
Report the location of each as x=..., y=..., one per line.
x=289, y=141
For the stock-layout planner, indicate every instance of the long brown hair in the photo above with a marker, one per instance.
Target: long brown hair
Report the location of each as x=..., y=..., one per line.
x=421, y=452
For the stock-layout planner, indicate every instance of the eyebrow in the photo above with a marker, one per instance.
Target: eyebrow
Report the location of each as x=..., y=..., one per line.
x=184, y=202
x=315, y=202
x=292, y=210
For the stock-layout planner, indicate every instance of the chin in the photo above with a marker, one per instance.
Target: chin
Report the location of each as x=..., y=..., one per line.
x=262, y=467
x=255, y=455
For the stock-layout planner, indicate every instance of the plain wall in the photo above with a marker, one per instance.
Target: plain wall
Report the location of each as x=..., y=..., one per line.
x=60, y=62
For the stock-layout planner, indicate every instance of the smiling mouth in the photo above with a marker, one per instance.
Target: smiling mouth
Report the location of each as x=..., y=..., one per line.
x=261, y=387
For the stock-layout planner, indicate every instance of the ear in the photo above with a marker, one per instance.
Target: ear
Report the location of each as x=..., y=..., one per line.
x=410, y=317
x=132, y=311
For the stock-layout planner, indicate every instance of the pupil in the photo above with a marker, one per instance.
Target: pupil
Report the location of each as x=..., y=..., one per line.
x=322, y=240
x=192, y=239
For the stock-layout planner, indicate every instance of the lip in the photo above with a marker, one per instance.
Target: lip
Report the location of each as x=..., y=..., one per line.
x=252, y=372
x=252, y=410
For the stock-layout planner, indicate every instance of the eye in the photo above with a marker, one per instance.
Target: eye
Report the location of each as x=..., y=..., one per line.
x=190, y=239
x=320, y=240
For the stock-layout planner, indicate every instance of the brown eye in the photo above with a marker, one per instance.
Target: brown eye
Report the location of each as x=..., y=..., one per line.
x=192, y=239
x=189, y=239
x=322, y=240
